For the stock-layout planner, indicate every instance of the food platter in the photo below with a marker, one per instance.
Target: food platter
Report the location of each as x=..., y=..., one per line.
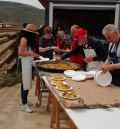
x=57, y=77
x=57, y=67
x=57, y=82
x=63, y=87
x=72, y=95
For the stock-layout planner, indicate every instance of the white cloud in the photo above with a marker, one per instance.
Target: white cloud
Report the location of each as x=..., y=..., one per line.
x=34, y=3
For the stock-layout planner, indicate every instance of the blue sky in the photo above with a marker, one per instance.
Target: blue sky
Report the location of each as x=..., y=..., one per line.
x=34, y=3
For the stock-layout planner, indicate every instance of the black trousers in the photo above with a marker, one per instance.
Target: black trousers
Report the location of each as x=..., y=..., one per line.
x=116, y=77
x=24, y=94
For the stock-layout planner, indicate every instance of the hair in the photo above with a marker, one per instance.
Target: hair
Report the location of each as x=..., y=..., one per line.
x=24, y=25
x=48, y=29
x=75, y=26
x=110, y=28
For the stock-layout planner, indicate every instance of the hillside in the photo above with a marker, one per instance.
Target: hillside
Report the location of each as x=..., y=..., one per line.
x=20, y=13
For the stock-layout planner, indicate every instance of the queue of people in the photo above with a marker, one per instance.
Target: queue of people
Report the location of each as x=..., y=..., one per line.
x=87, y=51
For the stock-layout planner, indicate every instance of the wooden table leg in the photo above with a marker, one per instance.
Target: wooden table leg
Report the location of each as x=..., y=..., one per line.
x=49, y=101
x=37, y=88
x=57, y=106
x=53, y=113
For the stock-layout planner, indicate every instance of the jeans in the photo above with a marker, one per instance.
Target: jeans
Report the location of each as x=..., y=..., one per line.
x=24, y=95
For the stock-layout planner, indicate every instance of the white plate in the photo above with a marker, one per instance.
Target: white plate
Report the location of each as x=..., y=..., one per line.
x=103, y=79
x=69, y=73
x=69, y=97
x=78, y=77
x=90, y=74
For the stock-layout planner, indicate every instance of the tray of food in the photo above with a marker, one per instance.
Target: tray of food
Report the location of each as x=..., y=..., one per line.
x=57, y=67
x=69, y=95
x=63, y=87
x=57, y=77
x=57, y=82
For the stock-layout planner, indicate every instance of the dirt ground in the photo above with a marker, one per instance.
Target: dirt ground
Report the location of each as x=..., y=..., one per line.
x=12, y=118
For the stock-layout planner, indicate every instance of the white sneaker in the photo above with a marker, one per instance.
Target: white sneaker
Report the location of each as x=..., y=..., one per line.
x=25, y=108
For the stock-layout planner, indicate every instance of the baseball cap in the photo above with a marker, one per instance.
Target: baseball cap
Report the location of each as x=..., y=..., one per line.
x=79, y=32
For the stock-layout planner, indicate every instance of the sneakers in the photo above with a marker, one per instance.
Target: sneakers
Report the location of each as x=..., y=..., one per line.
x=25, y=108
x=28, y=103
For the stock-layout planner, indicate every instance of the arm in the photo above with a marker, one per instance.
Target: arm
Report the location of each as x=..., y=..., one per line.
x=75, y=51
x=41, y=49
x=22, y=49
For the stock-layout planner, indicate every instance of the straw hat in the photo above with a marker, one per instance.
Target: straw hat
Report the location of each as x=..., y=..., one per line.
x=31, y=28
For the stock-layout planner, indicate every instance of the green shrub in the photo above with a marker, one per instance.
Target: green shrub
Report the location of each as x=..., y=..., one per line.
x=9, y=79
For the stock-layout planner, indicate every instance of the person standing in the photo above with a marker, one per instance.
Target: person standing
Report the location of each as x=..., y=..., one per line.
x=46, y=42
x=112, y=64
x=27, y=53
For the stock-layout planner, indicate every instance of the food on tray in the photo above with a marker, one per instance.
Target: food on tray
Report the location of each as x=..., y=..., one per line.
x=59, y=66
x=58, y=77
x=56, y=82
x=63, y=87
x=69, y=95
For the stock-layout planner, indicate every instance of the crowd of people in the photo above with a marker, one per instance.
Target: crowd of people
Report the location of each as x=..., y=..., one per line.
x=89, y=52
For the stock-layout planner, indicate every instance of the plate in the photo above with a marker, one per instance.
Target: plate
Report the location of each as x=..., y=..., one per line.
x=103, y=79
x=71, y=98
x=57, y=82
x=62, y=89
x=69, y=73
x=90, y=74
x=78, y=77
x=58, y=77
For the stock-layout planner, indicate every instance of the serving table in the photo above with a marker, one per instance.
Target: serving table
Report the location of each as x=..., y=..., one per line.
x=97, y=108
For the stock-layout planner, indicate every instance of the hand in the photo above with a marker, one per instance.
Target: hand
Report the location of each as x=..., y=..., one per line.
x=88, y=59
x=105, y=68
x=48, y=48
x=57, y=49
x=31, y=53
x=58, y=59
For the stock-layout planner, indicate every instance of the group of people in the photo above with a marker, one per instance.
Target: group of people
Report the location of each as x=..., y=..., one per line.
x=87, y=51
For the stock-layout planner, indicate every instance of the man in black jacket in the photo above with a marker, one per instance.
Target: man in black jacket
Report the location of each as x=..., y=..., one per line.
x=91, y=48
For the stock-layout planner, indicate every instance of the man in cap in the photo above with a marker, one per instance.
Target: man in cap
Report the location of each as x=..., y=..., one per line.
x=79, y=57
x=91, y=48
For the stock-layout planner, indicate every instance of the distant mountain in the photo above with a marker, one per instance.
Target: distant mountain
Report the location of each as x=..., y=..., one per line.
x=13, y=12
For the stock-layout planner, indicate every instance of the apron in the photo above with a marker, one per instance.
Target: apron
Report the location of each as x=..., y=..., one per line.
x=94, y=65
x=113, y=59
x=27, y=72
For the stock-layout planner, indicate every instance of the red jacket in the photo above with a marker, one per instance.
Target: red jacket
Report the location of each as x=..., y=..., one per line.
x=76, y=58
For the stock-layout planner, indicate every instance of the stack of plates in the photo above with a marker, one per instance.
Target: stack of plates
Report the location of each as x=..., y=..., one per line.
x=78, y=77
x=90, y=74
x=69, y=73
x=103, y=79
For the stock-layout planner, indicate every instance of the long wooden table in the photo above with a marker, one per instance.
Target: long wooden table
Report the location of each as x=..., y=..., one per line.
x=80, y=118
